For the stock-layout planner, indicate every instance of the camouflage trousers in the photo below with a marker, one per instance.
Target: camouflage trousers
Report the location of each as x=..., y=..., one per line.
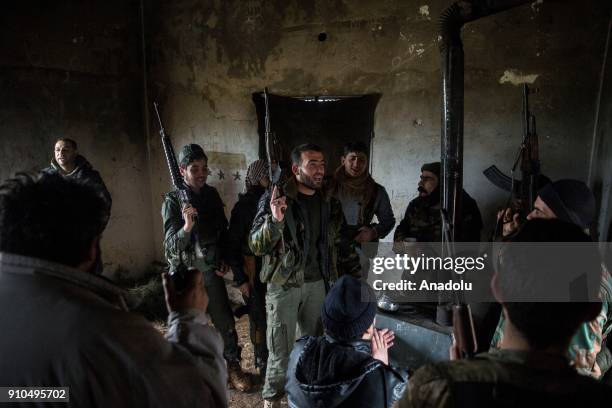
x=291, y=313
x=221, y=314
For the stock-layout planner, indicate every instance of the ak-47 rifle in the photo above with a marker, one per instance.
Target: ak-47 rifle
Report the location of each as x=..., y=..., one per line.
x=465, y=344
x=522, y=192
x=178, y=275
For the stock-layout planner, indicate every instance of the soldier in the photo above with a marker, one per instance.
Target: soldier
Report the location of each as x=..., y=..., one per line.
x=70, y=328
x=571, y=201
x=422, y=220
x=299, y=235
x=361, y=196
x=69, y=163
x=531, y=366
x=244, y=264
x=204, y=219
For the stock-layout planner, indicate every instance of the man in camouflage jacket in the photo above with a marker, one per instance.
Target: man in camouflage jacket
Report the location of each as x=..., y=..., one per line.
x=195, y=236
x=422, y=218
x=531, y=367
x=298, y=233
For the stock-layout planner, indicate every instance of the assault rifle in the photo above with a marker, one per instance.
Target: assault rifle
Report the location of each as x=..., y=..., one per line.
x=523, y=192
x=178, y=275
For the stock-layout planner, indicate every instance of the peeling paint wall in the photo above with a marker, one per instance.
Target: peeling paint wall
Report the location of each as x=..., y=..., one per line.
x=72, y=69
x=208, y=57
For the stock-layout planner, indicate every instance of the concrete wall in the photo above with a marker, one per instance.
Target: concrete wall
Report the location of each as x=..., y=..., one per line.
x=208, y=57
x=72, y=69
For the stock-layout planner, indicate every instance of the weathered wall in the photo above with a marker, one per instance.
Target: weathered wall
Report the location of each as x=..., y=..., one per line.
x=72, y=69
x=208, y=57
x=601, y=166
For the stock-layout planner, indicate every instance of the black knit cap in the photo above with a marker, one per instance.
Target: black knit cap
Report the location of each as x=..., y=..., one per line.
x=432, y=167
x=190, y=153
x=349, y=309
x=571, y=200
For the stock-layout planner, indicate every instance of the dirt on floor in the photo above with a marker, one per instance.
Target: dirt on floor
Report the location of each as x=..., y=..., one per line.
x=252, y=399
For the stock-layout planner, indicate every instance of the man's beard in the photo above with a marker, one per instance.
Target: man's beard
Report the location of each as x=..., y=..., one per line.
x=422, y=190
x=308, y=181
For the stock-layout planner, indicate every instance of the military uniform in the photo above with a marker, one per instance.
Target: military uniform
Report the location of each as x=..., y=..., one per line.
x=294, y=293
x=422, y=220
x=508, y=378
x=205, y=254
x=587, y=351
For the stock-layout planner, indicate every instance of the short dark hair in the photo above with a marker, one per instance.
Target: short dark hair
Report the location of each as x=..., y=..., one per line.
x=69, y=141
x=545, y=324
x=296, y=153
x=356, y=147
x=50, y=217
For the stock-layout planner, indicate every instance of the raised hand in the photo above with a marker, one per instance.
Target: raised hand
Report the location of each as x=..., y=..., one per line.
x=278, y=205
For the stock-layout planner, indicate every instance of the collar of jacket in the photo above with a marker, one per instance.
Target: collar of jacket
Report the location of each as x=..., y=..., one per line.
x=79, y=162
x=24, y=265
x=361, y=345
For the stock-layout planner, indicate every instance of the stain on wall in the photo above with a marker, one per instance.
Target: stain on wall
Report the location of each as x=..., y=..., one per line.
x=389, y=47
x=73, y=69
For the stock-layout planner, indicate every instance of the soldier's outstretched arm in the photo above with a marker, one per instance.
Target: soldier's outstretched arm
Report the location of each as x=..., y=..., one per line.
x=266, y=232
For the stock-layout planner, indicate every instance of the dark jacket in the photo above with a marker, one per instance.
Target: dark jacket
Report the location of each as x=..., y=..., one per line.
x=85, y=172
x=285, y=266
x=504, y=378
x=241, y=220
x=64, y=327
x=422, y=221
x=326, y=373
x=379, y=205
x=210, y=229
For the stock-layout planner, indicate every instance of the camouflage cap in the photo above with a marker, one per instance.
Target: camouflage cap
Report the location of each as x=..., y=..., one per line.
x=190, y=153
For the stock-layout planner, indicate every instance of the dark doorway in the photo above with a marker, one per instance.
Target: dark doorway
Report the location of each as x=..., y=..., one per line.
x=329, y=121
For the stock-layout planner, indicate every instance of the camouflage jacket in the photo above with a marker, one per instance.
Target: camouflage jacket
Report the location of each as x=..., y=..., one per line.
x=210, y=230
x=504, y=378
x=587, y=352
x=422, y=221
x=285, y=265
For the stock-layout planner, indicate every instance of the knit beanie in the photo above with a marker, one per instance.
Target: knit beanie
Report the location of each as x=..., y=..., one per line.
x=571, y=201
x=190, y=153
x=349, y=309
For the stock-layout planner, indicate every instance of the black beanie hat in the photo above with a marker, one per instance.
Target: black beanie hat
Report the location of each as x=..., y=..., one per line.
x=349, y=309
x=571, y=201
x=190, y=153
x=432, y=167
